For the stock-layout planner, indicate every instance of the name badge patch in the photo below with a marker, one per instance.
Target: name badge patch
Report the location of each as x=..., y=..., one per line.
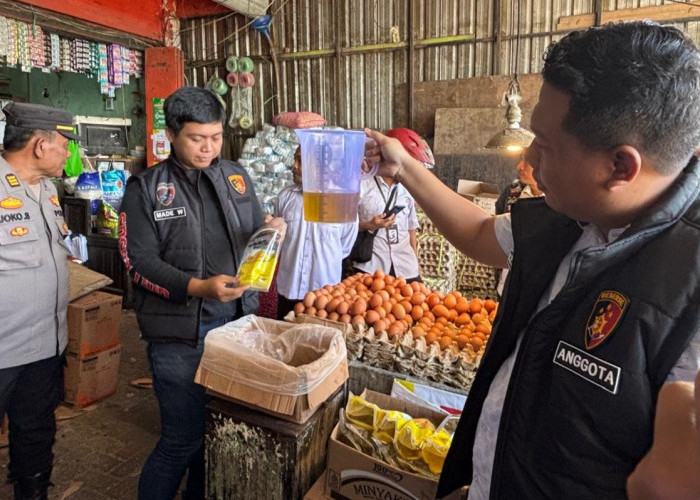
x=594, y=370
x=170, y=213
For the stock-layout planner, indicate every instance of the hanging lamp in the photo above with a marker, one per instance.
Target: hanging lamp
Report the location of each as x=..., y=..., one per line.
x=513, y=137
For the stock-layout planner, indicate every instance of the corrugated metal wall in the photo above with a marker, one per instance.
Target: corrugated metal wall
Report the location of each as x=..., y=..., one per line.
x=343, y=58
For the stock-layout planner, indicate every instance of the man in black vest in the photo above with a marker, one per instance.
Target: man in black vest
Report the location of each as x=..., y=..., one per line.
x=600, y=308
x=183, y=228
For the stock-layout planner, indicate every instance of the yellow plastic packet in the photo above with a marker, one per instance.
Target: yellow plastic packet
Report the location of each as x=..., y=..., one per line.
x=409, y=440
x=435, y=449
x=386, y=423
x=260, y=259
x=360, y=412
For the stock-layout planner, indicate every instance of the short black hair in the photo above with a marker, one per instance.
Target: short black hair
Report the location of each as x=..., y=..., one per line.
x=17, y=138
x=192, y=104
x=635, y=83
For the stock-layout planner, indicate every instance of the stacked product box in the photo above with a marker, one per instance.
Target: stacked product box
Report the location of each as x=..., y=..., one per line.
x=94, y=350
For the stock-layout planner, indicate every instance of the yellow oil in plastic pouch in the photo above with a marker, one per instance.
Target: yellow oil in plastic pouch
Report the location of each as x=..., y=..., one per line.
x=410, y=438
x=259, y=260
x=387, y=423
x=435, y=449
x=360, y=412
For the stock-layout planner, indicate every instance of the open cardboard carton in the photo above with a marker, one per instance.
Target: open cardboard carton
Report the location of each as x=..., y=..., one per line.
x=353, y=475
x=239, y=363
x=482, y=194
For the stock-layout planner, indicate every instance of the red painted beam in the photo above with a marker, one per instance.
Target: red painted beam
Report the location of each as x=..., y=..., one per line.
x=144, y=18
x=199, y=8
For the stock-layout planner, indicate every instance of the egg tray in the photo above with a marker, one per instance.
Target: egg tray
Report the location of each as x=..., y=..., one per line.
x=475, y=279
x=451, y=366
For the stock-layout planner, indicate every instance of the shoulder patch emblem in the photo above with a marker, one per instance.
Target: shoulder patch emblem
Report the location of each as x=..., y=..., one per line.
x=54, y=200
x=19, y=231
x=11, y=203
x=12, y=180
x=237, y=183
x=165, y=193
x=608, y=310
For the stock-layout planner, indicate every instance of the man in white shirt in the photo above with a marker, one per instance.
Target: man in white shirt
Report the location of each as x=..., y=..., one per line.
x=395, y=245
x=601, y=304
x=312, y=252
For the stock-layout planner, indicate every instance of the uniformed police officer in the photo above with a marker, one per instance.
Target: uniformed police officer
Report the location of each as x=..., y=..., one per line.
x=34, y=288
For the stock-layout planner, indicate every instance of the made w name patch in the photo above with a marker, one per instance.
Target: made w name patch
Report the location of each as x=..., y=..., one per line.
x=594, y=370
x=169, y=213
x=608, y=310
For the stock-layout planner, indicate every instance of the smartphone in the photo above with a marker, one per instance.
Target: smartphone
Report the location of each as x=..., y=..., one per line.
x=394, y=211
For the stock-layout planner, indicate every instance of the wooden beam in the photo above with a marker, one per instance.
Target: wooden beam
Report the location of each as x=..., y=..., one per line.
x=670, y=12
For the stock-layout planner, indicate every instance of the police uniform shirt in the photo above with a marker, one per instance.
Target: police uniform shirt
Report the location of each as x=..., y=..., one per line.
x=33, y=271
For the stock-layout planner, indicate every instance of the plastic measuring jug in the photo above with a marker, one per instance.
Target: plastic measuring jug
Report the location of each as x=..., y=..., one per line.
x=331, y=173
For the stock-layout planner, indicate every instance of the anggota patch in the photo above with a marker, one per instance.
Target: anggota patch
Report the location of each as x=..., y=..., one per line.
x=596, y=371
x=607, y=313
x=18, y=231
x=169, y=213
x=54, y=199
x=11, y=203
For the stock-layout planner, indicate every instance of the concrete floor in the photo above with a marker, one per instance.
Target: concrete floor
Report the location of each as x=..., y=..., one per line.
x=99, y=453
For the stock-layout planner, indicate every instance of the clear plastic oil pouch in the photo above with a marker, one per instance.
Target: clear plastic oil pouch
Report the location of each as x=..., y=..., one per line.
x=260, y=259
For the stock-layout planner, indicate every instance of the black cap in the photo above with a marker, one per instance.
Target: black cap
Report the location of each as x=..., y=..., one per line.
x=38, y=117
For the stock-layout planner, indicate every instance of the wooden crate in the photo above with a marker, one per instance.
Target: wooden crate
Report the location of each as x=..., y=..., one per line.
x=256, y=456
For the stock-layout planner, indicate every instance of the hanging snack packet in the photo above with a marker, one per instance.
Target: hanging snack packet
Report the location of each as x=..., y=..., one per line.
x=260, y=259
x=435, y=449
x=360, y=412
x=387, y=423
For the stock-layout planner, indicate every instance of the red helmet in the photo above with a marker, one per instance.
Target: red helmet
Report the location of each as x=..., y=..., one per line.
x=414, y=144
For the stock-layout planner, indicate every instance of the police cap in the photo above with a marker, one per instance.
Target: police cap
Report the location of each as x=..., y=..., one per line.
x=38, y=117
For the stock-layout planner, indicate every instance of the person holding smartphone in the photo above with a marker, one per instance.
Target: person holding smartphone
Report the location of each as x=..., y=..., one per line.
x=387, y=208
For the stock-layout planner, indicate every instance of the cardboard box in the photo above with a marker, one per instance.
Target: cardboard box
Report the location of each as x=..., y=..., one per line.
x=93, y=323
x=92, y=379
x=482, y=194
x=353, y=475
x=293, y=408
x=318, y=490
x=248, y=371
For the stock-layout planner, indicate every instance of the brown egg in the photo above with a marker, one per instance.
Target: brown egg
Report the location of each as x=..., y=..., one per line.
x=384, y=295
x=345, y=318
x=332, y=304
x=309, y=299
x=462, y=341
x=417, y=312
x=387, y=306
x=445, y=342
x=417, y=298
x=367, y=280
x=311, y=311
x=372, y=317
x=379, y=326
x=338, y=292
x=360, y=288
x=406, y=290
x=358, y=307
x=398, y=311
x=418, y=332
x=390, y=290
x=342, y=308
x=321, y=302
x=299, y=308
x=333, y=316
x=375, y=301
x=382, y=312
x=407, y=306
x=430, y=337
x=322, y=313
x=358, y=321
x=377, y=285
x=394, y=331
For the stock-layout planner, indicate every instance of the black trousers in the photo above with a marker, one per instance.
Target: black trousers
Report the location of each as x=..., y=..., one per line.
x=284, y=305
x=29, y=394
